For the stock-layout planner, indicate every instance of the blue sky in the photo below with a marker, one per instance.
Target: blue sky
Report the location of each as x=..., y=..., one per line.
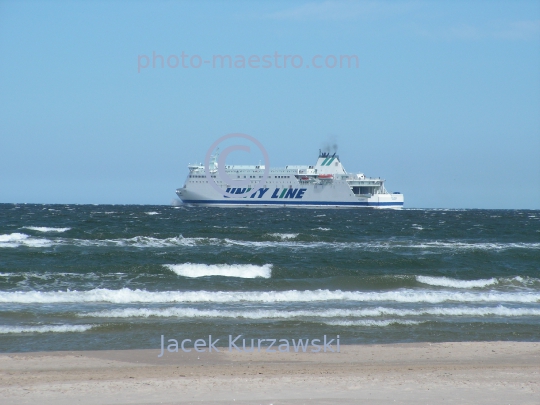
x=444, y=103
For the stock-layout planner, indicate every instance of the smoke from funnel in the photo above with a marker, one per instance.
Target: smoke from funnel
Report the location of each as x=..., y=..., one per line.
x=330, y=145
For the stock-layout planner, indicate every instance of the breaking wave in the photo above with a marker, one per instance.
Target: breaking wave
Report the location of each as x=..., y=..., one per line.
x=126, y=296
x=46, y=229
x=285, y=241
x=14, y=240
x=284, y=236
x=371, y=322
x=451, y=282
x=330, y=313
x=44, y=329
x=224, y=270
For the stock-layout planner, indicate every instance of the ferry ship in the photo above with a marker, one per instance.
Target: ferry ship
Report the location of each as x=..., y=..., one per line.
x=324, y=185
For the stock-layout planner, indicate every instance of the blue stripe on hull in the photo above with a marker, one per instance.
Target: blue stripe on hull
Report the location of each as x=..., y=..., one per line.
x=248, y=202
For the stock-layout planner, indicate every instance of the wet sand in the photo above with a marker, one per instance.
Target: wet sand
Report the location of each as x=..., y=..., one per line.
x=416, y=373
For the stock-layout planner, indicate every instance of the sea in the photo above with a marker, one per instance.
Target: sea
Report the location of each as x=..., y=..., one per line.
x=100, y=277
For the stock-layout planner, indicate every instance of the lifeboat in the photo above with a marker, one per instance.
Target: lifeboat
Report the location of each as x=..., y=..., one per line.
x=304, y=178
x=326, y=176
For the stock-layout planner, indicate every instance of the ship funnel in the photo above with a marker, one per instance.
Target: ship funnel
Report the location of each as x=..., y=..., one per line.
x=329, y=164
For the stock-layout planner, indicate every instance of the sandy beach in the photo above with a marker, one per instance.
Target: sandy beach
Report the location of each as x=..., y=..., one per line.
x=416, y=373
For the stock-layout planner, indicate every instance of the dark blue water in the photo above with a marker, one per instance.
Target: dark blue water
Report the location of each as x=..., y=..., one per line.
x=76, y=277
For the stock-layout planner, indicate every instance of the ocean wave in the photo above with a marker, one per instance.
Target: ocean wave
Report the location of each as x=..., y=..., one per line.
x=374, y=245
x=146, y=242
x=475, y=246
x=20, y=239
x=224, y=270
x=283, y=236
x=44, y=329
x=55, y=276
x=370, y=322
x=46, y=229
x=126, y=296
x=516, y=281
x=329, y=313
x=452, y=282
x=13, y=237
x=14, y=240
x=286, y=242
x=152, y=213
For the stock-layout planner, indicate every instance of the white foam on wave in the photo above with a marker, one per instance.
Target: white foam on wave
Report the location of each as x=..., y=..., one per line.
x=329, y=313
x=13, y=237
x=373, y=245
x=126, y=296
x=371, y=322
x=44, y=329
x=320, y=228
x=46, y=229
x=455, y=283
x=475, y=246
x=57, y=276
x=152, y=213
x=143, y=242
x=224, y=270
x=286, y=241
x=14, y=240
x=284, y=236
x=524, y=281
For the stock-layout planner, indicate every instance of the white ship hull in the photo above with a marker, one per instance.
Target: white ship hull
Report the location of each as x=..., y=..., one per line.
x=325, y=185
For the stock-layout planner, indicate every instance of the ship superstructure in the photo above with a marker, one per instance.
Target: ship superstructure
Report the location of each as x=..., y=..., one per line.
x=325, y=184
